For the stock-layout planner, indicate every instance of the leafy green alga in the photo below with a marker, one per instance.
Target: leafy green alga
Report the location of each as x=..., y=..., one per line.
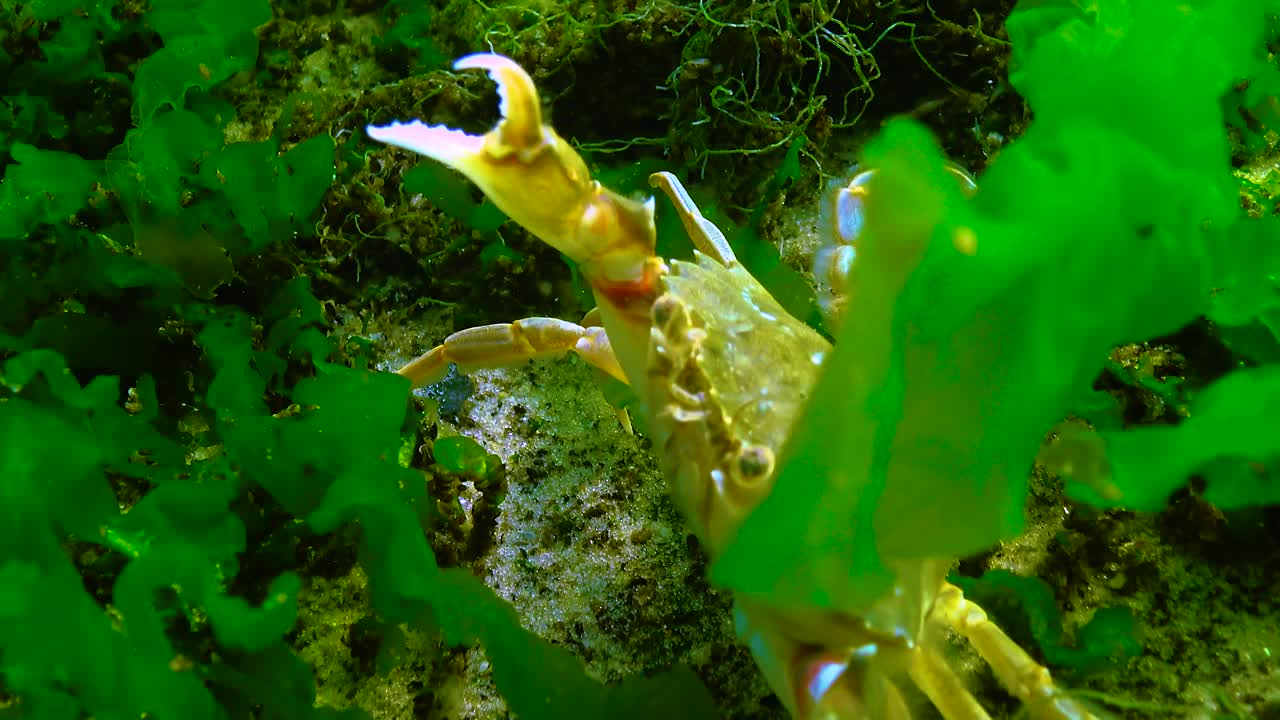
x=1110, y=221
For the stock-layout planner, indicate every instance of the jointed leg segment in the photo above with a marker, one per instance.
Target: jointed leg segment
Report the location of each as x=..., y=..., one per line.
x=1021, y=675
x=490, y=346
x=705, y=235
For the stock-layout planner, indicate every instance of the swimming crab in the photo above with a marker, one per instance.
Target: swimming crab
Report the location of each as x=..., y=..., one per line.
x=722, y=371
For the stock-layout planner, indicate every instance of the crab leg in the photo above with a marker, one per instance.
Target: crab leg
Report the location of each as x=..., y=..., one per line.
x=705, y=235
x=841, y=223
x=939, y=683
x=1022, y=676
x=842, y=212
x=540, y=182
x=489, y=346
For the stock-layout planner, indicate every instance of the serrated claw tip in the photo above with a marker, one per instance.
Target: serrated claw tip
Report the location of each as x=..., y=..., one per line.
x=447, y=145
x=521, y=126
x=535, y=177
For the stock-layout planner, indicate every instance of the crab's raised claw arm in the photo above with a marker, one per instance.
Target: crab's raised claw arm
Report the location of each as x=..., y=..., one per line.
x=538, y=180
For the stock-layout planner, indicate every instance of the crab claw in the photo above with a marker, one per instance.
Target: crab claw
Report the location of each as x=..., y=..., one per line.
x=537, y=179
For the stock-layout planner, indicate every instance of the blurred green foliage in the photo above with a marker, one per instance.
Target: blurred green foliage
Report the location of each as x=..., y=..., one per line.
x=1229, y=440
x=1110, y=221
x=42, y=187
x=176, y=424
x=461, y=454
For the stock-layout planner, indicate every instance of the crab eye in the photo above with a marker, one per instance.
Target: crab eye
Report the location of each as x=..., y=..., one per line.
x=664, y=311
x=755, y=463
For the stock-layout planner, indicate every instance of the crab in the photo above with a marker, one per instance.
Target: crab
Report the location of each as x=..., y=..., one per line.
x=692, y=338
